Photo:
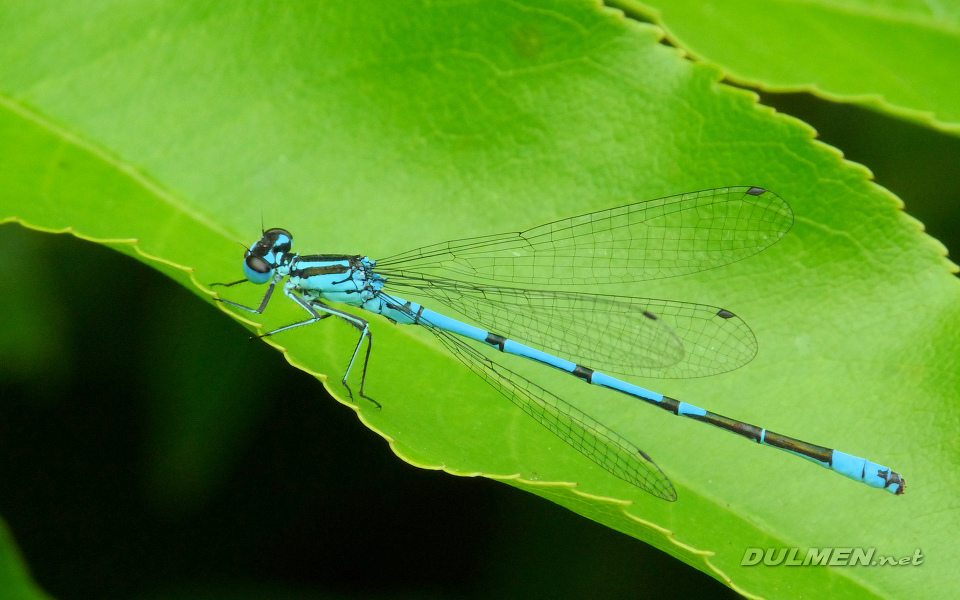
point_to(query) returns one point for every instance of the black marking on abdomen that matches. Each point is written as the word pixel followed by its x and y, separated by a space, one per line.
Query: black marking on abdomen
pixel 670 404
pixel 650 315
pixel 583 373
pixel 756 191
pixel 891 477
pixel 818 453
pixel 751 432
pixel 496 340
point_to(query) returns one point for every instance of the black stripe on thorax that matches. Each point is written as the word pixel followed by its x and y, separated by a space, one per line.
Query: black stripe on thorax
pixel 352 260
pixel 330 257
pixel 327 270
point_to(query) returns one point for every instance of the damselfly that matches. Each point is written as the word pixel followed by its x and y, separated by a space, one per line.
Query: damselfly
pixel 667 237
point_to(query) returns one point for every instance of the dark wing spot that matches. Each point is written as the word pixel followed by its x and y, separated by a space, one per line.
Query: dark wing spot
pixel 755 191
pixel 725 314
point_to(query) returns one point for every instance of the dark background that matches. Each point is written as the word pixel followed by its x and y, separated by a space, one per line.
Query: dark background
pixel 149 450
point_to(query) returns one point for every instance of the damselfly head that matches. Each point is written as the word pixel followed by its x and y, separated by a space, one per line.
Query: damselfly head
pixel 263 257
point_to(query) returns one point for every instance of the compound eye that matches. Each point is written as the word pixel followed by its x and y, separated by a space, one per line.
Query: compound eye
pixel 258 265
pixel 280 239
pixel 276 232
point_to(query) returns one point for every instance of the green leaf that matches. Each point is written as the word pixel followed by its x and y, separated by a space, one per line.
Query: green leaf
pixel 901 58
pixel 15 580
pixel 376 127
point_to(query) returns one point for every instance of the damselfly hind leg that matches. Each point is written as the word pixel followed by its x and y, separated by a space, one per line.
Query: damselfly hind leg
pixel 364 328
pixel 363 372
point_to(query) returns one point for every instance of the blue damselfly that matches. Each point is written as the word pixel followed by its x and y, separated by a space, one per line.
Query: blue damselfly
pixel 482 279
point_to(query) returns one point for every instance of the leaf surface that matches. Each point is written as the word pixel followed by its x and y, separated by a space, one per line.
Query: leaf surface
pixel 377 127
pixel 900 57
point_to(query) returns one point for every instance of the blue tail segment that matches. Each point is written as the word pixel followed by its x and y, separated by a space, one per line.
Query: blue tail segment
pixel 854 467
pixel 869 473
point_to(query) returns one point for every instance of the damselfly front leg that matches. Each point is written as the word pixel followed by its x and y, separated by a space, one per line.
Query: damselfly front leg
pixel 263 304
pixel 259 309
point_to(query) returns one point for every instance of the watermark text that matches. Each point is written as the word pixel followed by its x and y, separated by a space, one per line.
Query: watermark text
pixel 826 557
